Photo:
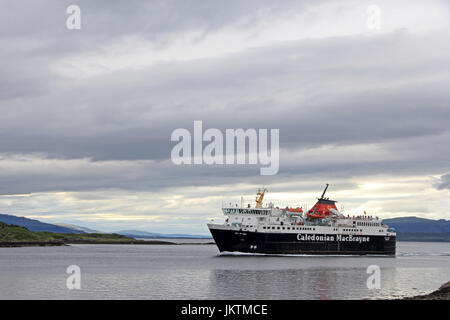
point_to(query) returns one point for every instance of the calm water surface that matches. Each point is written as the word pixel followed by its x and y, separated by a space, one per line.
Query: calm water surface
pixel 198 272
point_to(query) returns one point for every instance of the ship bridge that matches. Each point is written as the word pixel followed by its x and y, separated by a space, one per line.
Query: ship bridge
pixel 246 211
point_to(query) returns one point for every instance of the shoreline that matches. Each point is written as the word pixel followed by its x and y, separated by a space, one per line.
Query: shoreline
pixel 18 244
pixel 443 293
pixel 59 244
pixel 6 244
pixel 12 244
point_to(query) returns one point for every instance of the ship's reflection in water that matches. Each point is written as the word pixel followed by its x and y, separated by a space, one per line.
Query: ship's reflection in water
pixel 290 283
pixel 330 277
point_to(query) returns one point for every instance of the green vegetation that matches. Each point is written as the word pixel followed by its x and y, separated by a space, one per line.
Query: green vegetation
pixel 11 235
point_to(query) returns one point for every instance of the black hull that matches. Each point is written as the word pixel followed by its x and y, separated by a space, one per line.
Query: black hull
pixel 293 243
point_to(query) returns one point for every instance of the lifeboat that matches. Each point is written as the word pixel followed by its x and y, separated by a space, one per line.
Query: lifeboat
pixel 316 215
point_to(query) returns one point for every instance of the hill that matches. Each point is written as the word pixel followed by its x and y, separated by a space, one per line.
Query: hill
pixel 415 224
pixel 12 236
pixel 35 225
pixel 420 229
pixel 75 227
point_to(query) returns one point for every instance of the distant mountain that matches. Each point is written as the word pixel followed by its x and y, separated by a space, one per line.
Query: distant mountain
pixel 420 229
pixel 79 228
pixel 424 236
pixel 418 225
pixel 150 235
pixel 35 225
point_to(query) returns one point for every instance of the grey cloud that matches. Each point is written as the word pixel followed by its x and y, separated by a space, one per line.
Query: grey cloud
pixel 444 182
pixel 34 34
pixel 383 89
pixel 310 96
pixel 108 20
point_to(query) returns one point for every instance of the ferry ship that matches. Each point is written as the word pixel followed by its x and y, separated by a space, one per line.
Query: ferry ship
pixel 322 230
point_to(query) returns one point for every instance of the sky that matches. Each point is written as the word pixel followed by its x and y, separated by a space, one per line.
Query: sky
pixel 86 115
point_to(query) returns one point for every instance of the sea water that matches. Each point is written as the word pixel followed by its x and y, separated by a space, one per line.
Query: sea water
pixel 197 271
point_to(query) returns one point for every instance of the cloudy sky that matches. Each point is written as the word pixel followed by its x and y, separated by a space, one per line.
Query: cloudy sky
pixel 86 115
